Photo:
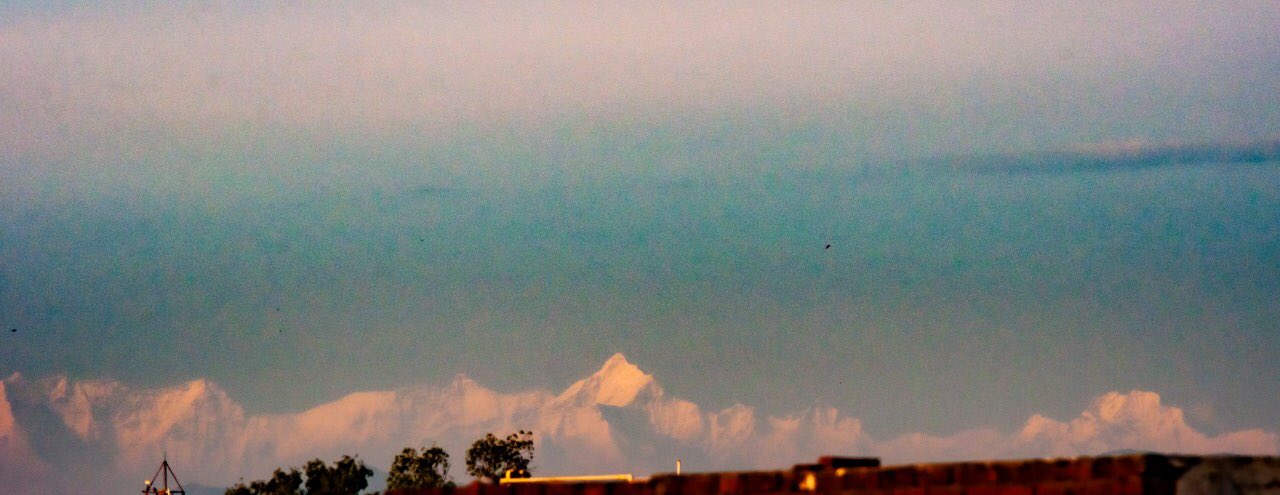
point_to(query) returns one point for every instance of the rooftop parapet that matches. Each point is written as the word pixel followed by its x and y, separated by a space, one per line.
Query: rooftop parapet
pixel 1142 474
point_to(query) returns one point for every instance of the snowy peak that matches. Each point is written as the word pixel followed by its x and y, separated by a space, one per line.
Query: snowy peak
pixel 617 384
pixel 617 371
pixel 616 419
pixel 462 383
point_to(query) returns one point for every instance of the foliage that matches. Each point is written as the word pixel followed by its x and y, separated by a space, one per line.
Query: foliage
pixel 428 470
pixel 347 476
pixel 281 483
pixel 489 458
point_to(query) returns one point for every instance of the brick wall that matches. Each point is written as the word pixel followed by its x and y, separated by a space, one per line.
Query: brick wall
pixel 1118 475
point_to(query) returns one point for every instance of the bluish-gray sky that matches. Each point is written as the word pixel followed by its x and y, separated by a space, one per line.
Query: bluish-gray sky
pixel 300 201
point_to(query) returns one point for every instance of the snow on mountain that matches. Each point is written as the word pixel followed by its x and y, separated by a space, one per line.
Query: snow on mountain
pixel 18 463
pixel 1139 421
pixel 617 384
pixel 195 421
pixel 618 419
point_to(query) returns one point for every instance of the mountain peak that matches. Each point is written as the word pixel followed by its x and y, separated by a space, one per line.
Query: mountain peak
pixel 618 372
pixel 616 383
pixel 463 383
pixel 616 361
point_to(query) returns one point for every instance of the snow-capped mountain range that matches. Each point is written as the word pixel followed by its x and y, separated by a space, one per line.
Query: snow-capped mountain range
pixel 57 433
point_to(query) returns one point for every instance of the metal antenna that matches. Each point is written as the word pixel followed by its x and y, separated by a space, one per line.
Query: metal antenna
pixel 163 473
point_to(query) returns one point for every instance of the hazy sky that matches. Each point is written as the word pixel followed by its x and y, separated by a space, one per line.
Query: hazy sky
pixel 298 201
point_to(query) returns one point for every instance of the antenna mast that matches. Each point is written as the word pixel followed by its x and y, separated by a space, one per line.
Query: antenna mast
pixel 163 473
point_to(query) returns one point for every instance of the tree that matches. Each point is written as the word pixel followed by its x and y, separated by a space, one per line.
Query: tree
pixel 281 483
pixel 428 470
pixel 489 458
pixel 347 477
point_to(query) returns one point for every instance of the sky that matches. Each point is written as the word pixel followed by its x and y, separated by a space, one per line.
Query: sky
pixel 297 202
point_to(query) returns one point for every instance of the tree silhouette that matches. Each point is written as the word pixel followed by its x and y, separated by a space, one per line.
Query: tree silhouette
pixel 428 470
pixel 281 483
pixel 347 477
pixel 489 458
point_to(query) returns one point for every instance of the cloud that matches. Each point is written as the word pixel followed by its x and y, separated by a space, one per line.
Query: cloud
pixel 226 100
pixel 619 419
pixel 123 80
pixel 1124 155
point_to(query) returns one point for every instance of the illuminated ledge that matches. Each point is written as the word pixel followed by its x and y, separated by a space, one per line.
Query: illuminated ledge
pixel 598 478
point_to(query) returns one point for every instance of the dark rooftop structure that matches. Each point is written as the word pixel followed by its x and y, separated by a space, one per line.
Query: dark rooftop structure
pixel 1138 474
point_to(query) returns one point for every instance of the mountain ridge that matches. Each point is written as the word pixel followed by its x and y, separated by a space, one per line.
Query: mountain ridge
pixel 617 419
